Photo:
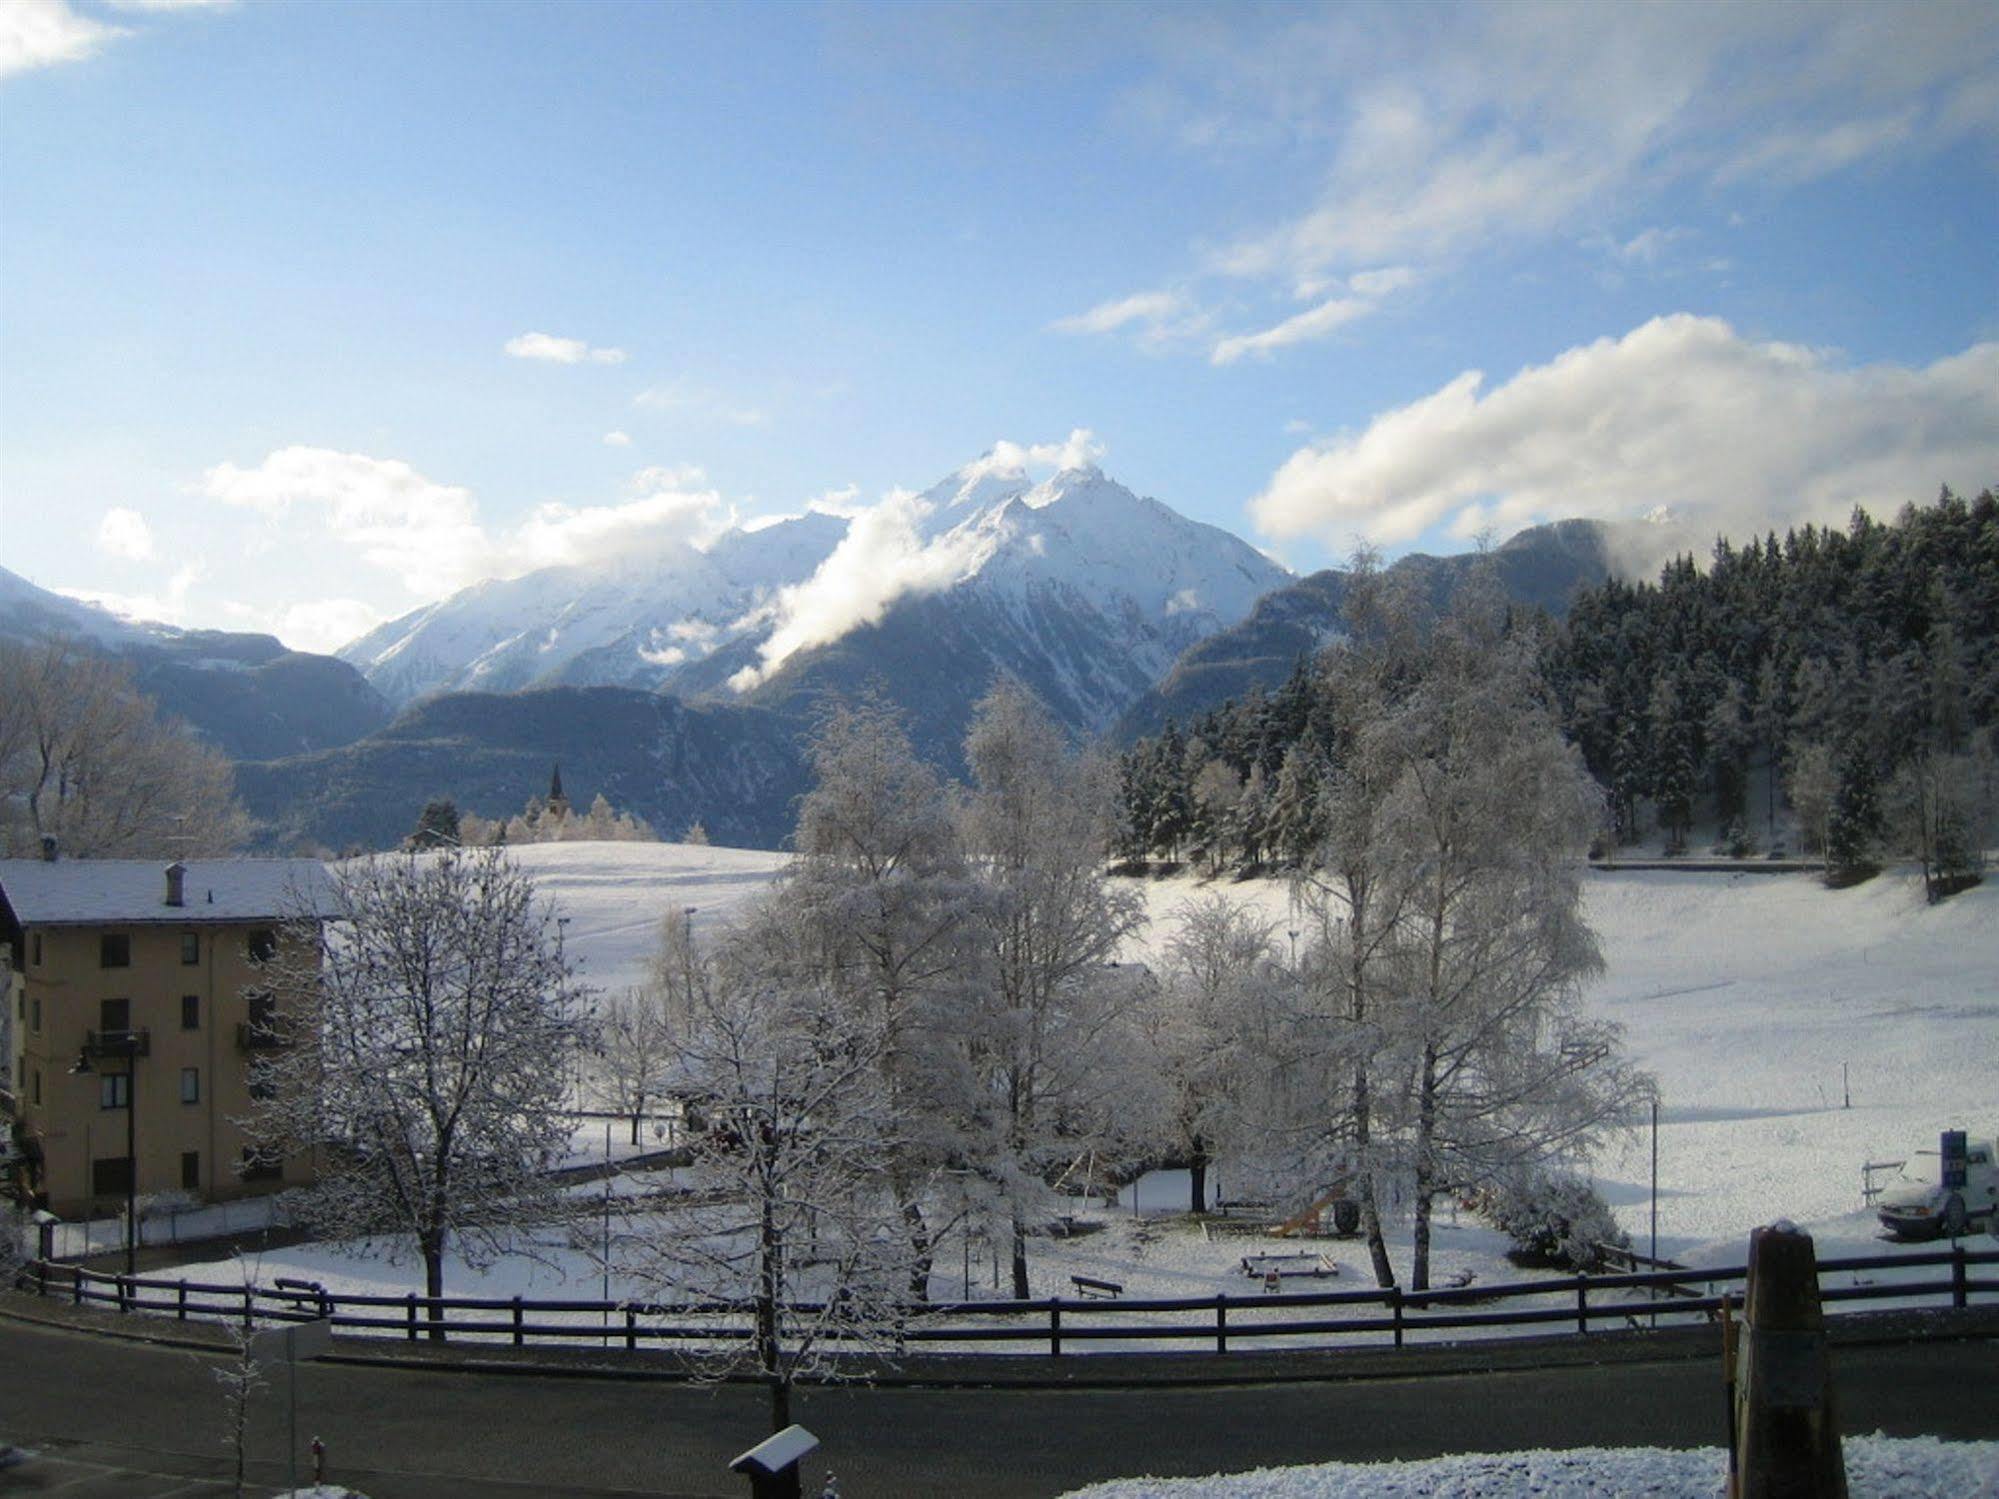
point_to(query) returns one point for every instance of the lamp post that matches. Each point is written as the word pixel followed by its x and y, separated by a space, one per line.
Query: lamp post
pixel 128 1046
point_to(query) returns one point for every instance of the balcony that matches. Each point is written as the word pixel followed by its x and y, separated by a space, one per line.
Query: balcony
pixel 262 1036
pixel 126 1043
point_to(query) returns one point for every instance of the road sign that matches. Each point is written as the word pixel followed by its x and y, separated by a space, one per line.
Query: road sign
pixel 292 1341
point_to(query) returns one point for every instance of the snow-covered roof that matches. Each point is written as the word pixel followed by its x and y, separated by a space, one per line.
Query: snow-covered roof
pixel 97 892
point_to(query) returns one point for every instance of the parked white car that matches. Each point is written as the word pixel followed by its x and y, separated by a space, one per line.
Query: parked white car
pixel 1917 1204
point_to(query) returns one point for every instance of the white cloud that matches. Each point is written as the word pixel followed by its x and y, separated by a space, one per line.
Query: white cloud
pixel 1080 449
pixel 169 608
pixel 882 558
pixel 553 350
pixel 1156 320
pixel 124 533
pixel 1384 282
pixel 325 625
pixel 1314 323
pixel 42 33
pixel 1425 145
pixel 426 533
pixel 430 535
pixel 617 439
pixel 1729 433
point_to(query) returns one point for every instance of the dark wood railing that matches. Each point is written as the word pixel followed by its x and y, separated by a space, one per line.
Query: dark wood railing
pixel 1053 1324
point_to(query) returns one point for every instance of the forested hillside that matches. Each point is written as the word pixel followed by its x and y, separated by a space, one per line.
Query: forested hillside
pixel 1838 684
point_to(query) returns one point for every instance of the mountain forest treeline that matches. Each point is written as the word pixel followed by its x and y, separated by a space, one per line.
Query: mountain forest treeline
pixel 1835 687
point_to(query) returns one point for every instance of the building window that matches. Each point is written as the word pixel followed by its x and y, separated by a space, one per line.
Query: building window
pixel 114 1090
pixel 37 1089
pixel 190 948
pixel 190 1085
pixel 37 1012
pixel 190 1012
pixel 114 950
pixel 263 945
pixel 21 1072
pixel 114 1015
pixel 190 1170
pixel 111 1177
pixel 262 1165
pixel 37 945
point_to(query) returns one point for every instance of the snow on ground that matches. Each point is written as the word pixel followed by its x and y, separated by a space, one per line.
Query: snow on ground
pixel 1877 1467
pixel 614 895
pixel 1743 993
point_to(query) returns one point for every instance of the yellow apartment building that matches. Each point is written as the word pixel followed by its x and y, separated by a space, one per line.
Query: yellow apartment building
pixel 137 1002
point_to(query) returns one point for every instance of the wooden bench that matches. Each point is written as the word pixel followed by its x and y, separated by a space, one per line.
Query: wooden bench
pixel 1090 1286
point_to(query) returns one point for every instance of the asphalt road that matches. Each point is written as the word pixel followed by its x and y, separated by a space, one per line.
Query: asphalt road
pixel 109 1417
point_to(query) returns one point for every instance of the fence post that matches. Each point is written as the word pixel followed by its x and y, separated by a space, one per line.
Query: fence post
pixel 121 1295
pixel 411 1303
pixel 1394 1294
pixel 1222 1322
pixel 1957 1288
pixel 631 1329
pixel 1055 1326
pixel 1787 1437
pixel 76 1285
pixel 249 1307
pixel 180 1302
pixel 1582 1303
pixel 517 1322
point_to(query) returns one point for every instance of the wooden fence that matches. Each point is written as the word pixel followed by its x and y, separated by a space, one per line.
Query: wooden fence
pixel 1054 1325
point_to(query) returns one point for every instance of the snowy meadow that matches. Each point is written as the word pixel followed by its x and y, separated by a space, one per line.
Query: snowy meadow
pixel 1745 994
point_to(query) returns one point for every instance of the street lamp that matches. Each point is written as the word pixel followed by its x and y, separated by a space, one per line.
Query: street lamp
pixel 127 1044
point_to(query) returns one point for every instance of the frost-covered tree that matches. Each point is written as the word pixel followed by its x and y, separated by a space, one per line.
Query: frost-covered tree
pixel 1213 1036
pixel 431 1082
pixel 793 1218
pixel 1054 1030
pixel 86 760
pixel 437 826
pixel 634 1050
pixel 881 880
pixel 1483 833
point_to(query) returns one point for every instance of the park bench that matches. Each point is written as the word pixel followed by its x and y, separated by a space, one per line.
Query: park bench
pixel 1090 1286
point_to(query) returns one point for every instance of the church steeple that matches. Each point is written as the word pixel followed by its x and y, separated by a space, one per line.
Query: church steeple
pixel 558 804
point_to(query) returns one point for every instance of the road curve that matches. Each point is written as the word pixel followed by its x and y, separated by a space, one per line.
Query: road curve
pixel 111 1416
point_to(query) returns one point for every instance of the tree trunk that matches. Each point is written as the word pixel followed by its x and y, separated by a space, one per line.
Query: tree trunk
pixel 1197 1181
pixel 1020 1287
pixel 780 1403
pixel 920 1247
pixel 1370 1210
pixel 1426 1175
pixel 638 1115
pixel 433 1281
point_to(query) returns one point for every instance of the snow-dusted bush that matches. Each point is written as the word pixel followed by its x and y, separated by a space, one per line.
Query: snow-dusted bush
pixel 1554 1219
pixel 167 1204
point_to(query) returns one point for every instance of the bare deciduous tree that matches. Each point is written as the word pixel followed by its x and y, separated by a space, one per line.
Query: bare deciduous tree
pixel 793 1217
pixel 1053 1042
pixel 432 1080
pixel 85 759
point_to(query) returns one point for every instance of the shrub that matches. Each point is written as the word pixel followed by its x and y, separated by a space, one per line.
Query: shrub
pixel 1555 1220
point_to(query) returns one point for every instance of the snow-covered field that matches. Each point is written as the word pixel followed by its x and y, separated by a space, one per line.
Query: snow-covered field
pixel 1743 993
pixel 1877 1467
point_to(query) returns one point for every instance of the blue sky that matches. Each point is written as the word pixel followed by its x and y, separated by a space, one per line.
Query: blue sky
pixel 1406 272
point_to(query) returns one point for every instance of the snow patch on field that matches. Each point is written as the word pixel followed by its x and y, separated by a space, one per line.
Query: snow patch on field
pixel 1877 1467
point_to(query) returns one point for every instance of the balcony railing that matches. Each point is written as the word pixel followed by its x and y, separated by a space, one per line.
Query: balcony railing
pixel 268 1036
pixel 134 1042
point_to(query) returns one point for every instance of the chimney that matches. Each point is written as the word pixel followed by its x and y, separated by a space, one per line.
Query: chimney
pixel 176 875
pixel 48 848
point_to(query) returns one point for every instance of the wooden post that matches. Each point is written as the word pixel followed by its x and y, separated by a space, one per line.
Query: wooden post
pixel 1728 1382
pixel 1222 1323
pixel 1055 1326
pixel 1787 1440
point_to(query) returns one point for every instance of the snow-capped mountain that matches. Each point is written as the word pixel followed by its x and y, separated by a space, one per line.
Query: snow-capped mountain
pixel 1079 588
pixel 1071 582
pixel 630 622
